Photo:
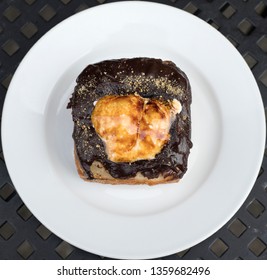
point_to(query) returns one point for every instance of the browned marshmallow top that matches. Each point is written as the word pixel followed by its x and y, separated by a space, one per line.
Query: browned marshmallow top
pixel 132 127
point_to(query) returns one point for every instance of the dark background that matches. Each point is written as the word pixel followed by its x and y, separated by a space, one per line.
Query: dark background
pixel 23 22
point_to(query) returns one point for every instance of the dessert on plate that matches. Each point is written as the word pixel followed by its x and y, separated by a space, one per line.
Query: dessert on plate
pixel 132 122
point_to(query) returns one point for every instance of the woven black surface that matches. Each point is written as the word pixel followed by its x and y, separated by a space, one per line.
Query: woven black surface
pixel 23 22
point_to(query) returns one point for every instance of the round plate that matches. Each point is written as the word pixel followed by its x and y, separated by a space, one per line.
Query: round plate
pixel 228 133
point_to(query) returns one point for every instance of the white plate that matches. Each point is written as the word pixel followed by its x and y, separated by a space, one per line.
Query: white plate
pixel 228 133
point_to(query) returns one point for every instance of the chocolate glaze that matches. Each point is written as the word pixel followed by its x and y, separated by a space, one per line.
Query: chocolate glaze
pixel 148 77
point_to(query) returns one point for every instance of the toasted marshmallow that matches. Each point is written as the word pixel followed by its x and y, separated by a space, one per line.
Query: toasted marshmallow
pixel 132 127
